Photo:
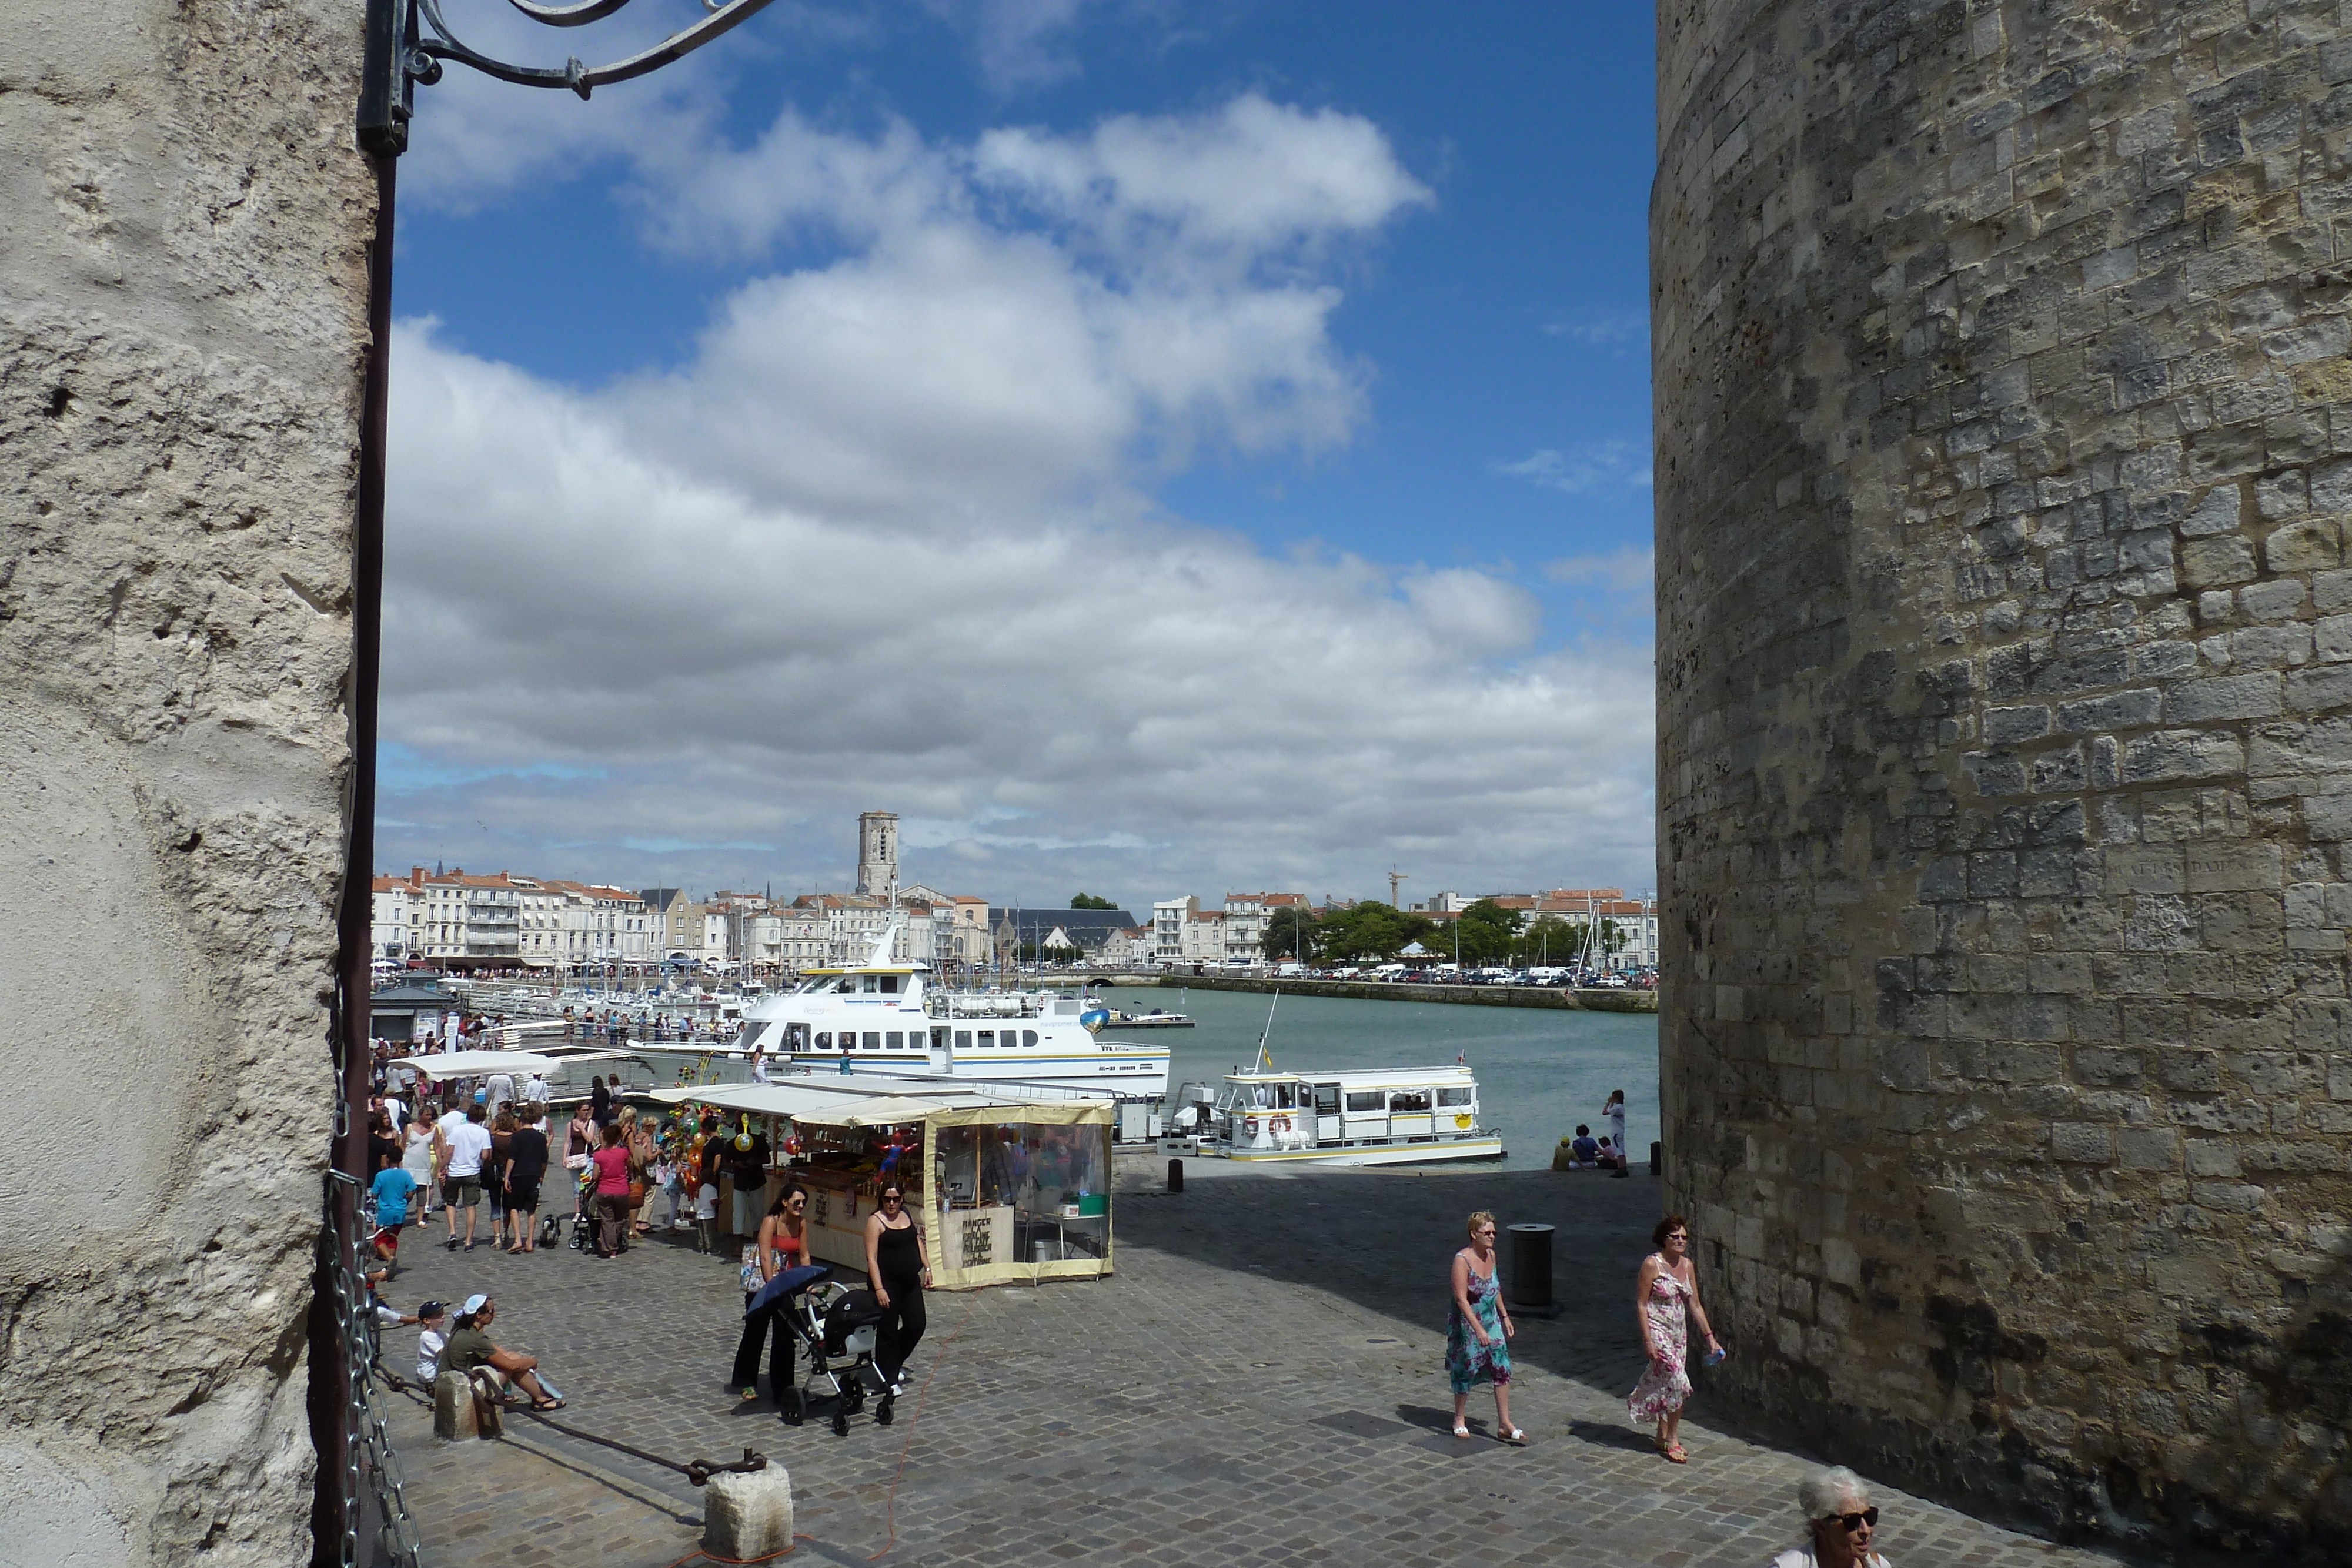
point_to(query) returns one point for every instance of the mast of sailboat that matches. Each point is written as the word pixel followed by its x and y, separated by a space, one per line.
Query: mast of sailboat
pixel 1264 1060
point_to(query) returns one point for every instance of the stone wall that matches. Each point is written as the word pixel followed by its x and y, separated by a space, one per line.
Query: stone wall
pixel 2004 468
pixel 182 232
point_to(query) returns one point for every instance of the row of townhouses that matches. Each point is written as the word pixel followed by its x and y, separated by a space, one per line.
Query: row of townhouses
pixel 1182 931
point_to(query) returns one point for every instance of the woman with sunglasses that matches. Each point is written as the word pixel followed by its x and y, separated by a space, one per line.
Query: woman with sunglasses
pixel 1838 1512
pixel 783 1244
pixel 899 1272
pixel 1478 1332
pixel 1666 1291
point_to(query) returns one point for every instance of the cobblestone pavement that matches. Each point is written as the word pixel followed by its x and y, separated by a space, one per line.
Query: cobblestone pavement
pixel 1261 1381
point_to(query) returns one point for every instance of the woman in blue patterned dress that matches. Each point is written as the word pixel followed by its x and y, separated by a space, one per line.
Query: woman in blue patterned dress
pixel 1478 1332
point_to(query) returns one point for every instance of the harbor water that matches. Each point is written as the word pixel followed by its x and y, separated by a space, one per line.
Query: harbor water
pixel 1540 1071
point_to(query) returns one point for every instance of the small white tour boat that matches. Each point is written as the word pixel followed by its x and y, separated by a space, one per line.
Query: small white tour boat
pixel 1378 1116
pixel 885 1017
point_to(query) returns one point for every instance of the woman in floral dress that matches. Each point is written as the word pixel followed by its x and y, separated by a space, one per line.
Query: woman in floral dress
pixel 1668 1287
pixel 1478 1332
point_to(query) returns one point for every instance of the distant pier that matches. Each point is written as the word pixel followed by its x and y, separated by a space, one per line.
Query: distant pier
pixel 1553 997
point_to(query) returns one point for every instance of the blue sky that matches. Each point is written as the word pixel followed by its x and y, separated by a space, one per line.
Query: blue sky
pixel 1354 308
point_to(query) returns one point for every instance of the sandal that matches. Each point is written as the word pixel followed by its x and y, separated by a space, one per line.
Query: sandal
pixel 1460 1430
pixel 547 1403
pixel 1674 1454
pixel 1515 1438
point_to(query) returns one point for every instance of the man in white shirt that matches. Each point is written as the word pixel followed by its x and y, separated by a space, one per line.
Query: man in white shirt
pixel 535 1092
pixel 501 1090
pixel 461 1149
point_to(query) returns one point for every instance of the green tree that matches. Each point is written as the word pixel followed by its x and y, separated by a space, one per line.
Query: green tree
pixel 1291 932
pixel 1487 931
pixel 1370 930
pixel 1549 939
pixel 1089 901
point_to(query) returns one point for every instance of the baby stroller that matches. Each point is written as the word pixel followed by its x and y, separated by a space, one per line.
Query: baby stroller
pixel 836 1326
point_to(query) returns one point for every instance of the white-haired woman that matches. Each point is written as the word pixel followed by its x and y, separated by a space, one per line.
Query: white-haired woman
pixel 1841 1519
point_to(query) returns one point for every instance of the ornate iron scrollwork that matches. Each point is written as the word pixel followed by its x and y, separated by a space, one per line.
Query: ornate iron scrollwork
pixel 407 41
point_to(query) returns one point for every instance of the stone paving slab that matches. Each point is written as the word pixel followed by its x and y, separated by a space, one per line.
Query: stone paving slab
pixel 1261 1381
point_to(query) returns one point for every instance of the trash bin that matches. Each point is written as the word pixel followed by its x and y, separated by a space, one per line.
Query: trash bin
pixel 1175 1176
pixel 1531 1265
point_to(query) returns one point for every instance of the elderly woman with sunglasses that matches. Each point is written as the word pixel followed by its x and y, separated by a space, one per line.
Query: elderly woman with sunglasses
pixel 1665 1295
pixel 783 1244
pixel 1843 1521
pixel 899 1271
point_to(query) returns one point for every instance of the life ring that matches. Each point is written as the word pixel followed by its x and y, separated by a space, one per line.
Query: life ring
pixel 1249 1126
pixel 1282 1123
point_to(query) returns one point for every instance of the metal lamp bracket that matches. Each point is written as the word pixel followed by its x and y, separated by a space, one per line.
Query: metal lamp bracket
pixel 407 41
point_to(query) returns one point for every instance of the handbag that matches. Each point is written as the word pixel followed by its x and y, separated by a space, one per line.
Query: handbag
pixel 636 1192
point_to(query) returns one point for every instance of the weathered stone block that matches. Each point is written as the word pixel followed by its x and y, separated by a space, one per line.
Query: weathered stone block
pixel 2217 562
pixel 2224 697
pixel 748 1516
pixel 2313 544
pixel 2081 1142
pixel 453 1407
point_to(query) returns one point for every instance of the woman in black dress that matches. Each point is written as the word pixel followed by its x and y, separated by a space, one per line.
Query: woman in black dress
pixel 899 1272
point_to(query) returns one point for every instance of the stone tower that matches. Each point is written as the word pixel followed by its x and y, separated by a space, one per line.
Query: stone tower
pixel 877 853
pixel 2004 465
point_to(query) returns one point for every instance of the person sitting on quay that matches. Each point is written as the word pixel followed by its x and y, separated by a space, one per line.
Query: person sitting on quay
pixel 1838 1514
pixel 1587 1151
pixel 470 1347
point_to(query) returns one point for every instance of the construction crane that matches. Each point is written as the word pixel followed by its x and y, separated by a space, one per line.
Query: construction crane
pixel 1396 876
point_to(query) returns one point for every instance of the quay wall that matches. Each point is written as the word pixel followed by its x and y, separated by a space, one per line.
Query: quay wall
pixel 2004 474
pixel 183 231
pixel 1601 1001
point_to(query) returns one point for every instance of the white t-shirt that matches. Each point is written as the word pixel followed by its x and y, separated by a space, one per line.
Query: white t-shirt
pixel 535 1092
pixel 1803 1557
pixel 501 1090
pixel 468 1142
pixel 429 1346
pixel 398 1111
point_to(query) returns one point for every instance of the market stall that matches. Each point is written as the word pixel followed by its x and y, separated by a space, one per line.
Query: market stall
pixel 1007 1189
pixel 1016 1190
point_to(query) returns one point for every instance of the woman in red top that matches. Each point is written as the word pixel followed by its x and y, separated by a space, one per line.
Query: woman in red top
pixel 611 1163
pixel 783 1244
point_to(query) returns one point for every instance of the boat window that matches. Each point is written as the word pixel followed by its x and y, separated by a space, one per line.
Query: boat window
pixel 1327 1099
pixel 824 1039
pixel 889 984
pixel 796 1036
pixel 873 1040
pixel 963 1040
pixel 1029 1037
pixel 940 1039
pixel 872 984
pixel 1408 1100
pixel 1281 1097
pixel 987 1039
pixel 1375 1100
pixel 1453 1096
pixel 894 1040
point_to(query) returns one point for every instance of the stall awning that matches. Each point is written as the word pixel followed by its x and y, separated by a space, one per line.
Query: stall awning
pixel 474 1063
pixel 825 1102
pixel 962 1111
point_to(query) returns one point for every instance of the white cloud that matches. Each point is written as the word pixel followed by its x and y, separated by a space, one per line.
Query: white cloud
pixel 885 542
pixel 1581 469
pixel 1626 570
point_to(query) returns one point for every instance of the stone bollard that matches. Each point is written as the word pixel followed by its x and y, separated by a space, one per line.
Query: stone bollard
pixel 1175 1176
pixel 748 1515
pixel 453 1407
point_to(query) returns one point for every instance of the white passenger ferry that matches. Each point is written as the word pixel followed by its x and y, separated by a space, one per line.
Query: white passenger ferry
pixel 883 1017
pixel 1399 1115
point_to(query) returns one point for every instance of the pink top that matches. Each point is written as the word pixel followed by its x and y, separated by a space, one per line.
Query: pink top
pixel 612 1172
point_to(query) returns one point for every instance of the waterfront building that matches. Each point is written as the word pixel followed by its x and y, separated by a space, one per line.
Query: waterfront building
pixel 1084 931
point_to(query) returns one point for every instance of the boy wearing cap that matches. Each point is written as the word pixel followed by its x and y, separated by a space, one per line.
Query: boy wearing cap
pixel 433 1316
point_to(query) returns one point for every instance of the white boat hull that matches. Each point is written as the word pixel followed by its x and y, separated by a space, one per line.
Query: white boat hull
pixel 1429 1152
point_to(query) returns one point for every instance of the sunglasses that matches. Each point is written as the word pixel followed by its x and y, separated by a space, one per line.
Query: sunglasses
pixel 893 1197
pixel 1868 1516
